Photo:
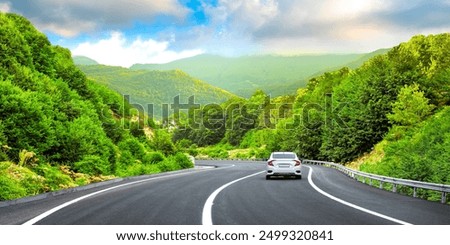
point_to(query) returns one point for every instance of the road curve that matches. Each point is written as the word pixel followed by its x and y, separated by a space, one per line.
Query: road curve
pixel 234 193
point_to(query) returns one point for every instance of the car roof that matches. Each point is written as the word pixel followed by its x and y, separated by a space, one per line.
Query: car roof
pixel 283 152
pixel 278 154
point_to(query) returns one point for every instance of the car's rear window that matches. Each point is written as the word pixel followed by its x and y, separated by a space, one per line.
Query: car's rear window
pixel 283 156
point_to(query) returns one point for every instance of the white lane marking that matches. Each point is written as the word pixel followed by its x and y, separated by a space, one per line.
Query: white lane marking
pixel 207 208
pixel 351 204
pixel 53 210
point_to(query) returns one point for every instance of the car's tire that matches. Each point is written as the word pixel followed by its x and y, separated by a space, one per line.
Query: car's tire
pixel 267 177
pixel 299 177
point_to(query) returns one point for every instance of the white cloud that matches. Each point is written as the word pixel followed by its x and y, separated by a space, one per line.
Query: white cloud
pixel 236 27
pixel 231 25
pixel 252 13
pixel 298 26
pixel 242 15
pixel 120 9
pixel 67 31
pixel 69 18
pixel 332 10
pixel 5 7
pixel 118 51
pixel 287 26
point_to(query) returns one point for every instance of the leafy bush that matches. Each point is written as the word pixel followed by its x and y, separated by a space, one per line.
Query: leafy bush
pixel 134 146
pixel 183 144
pixel 126 158
pixel 17 181
pixel 163 142
pixel 153 158
pixel 262 153
pixel 10 189
pixel 216 152
pixel 54 177
pixel 183 161
pixel 175 162
pixel 93 165
pixel 411 107
pixel 135 169
pixel 168 165
pixel 193 150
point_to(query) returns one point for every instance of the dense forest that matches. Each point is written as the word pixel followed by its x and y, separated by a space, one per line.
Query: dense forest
pixel 58 129
pixel 389 116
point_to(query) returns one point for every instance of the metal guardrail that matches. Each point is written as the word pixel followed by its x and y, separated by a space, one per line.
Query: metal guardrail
pixel 443 189
pixel 232 159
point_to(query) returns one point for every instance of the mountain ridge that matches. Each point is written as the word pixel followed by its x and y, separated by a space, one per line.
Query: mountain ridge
pixel 274 74
pixel 84 60
pixel 156 88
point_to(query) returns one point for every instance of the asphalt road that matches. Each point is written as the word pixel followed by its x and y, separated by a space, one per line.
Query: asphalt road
pixel 232 193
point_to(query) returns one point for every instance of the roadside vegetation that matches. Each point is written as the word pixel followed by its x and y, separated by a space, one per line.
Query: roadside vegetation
pixel 58 129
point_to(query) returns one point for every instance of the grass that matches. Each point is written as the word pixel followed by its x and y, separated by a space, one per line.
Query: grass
pixel 373 157
pixel 18 181
pixel 229 152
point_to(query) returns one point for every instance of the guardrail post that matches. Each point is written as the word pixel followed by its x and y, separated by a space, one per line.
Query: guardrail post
pixel 415 192
pixel 370 182
pixel 394 188
pixel 381 184
pixel 444 197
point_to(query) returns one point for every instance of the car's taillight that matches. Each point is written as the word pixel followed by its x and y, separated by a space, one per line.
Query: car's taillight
pixel 298 162
pixel 270 163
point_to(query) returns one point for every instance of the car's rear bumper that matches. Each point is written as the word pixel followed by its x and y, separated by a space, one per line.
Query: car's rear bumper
pixel 283 172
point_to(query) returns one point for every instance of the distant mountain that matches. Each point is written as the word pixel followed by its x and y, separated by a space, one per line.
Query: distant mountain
pixel 157 88
pixel 359 62
pixel 83 60
pixel 353 64
pixel 275 75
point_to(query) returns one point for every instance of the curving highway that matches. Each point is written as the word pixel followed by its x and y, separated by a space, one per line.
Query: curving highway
pixel 229 193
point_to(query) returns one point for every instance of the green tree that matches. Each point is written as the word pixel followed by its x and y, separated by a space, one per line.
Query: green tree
pixel 163 142
pixel 411 107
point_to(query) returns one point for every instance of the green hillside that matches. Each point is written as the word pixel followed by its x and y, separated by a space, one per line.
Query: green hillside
pixel 83 60
pixel 60 130
pixel 275 75
pixel 419 152
pixel 291 87
pixel 156 87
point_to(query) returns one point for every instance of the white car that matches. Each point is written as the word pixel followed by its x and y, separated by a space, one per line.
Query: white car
pixel 284 164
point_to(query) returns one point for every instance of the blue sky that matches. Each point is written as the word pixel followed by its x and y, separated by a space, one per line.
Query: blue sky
pixel 124 32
